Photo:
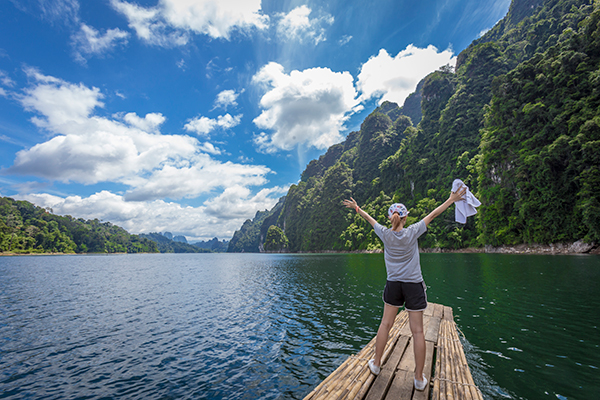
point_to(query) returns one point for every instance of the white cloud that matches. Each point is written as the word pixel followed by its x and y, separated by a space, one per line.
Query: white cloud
pixel 210 148
pixel 150 123
pixel 89 42
pixel 204 125
pixel 200 176
pixel 171 21
pixel 226 98
pixel 218 217
pixel 394 78
pixel 64 105
pixel 6 80
pixel 482 32
pixel 238 202
pixel 303 108
pixel 149 25
pixel 345 39
pixel 90 149
pixel 297 25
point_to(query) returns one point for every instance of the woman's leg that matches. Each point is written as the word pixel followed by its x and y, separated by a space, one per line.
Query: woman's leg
pixel 387 321
pixel 415 319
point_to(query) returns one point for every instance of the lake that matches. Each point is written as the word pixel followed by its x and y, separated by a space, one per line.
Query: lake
pixel 271 326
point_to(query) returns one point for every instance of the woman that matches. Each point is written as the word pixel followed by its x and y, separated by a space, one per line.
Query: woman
pixel 405 286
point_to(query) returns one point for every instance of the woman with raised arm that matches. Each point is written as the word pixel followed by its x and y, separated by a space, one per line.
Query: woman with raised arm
pixel 405 286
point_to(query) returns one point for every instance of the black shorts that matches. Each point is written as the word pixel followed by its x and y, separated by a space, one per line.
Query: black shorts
pixel 411 295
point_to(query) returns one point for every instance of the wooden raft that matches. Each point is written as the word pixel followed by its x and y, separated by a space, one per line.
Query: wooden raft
pixel 451 378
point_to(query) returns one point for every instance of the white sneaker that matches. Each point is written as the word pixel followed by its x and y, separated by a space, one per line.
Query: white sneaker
pixel 374 368
pixel 421 385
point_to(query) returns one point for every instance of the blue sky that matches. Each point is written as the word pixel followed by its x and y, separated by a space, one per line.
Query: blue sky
pixel 188 116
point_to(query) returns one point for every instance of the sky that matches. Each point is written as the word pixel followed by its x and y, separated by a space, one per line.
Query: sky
pixel 189 116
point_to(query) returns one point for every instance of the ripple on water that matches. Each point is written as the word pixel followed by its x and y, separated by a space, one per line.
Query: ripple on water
pixel 268 326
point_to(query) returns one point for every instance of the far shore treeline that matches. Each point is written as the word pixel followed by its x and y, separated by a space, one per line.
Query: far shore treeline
pixel 518 120
pixel 28 229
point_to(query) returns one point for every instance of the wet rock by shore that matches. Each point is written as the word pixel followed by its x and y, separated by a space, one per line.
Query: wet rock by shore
pixel 578 247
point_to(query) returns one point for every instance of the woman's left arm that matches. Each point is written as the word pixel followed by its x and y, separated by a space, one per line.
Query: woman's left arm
pixel 352 204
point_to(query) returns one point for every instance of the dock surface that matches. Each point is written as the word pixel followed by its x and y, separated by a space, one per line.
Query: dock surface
pixel 449 378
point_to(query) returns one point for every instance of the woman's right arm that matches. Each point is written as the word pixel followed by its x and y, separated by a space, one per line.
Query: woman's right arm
pixel 352 204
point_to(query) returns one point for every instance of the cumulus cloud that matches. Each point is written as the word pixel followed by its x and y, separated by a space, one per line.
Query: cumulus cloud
pixel 204 125
pixel 226 98
pixel 201 175
pixel 238 202
pixel 64 106
pixel 302 108
pixel 90 42
pixel 150 123
pixel 296 25
pixel 218 217
pixel 394 78
pixel 172 21
pixel 129 149
pixel 210 148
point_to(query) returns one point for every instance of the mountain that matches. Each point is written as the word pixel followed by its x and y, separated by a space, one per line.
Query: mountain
pixel 251 236
pixel 518 120
pixel 26 228
pixel 167 243
pixel 214 245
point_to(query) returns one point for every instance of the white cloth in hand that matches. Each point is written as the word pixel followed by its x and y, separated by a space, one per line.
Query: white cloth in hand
pixel 466 207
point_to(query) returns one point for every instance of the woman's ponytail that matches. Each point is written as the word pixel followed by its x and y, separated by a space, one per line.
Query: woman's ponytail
pixel 396 221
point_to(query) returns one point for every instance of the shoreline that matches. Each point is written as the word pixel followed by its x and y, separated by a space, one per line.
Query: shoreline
pixel 576 248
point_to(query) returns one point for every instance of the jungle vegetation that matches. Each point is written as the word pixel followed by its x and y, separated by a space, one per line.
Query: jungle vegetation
pixel 517 119
pixel 26 228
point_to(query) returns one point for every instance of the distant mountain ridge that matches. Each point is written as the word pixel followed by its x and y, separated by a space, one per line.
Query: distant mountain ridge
pixel 518 120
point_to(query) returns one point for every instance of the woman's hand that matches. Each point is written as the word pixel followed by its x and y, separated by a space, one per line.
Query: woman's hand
pixel 458 195
pixel 350 203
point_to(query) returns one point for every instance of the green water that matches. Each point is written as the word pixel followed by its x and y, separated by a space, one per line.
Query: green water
pixel 272 326
pixel 531 321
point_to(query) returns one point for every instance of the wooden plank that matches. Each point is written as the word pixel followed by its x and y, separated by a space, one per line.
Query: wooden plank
pixel 432 330
pixel 402 386
pixel 385 377
pixel 448 313
pixel 359 391
pixel 424 395
pixel 380 385
pixel 407 363
pixel 405 330
pixel 451 378
pixel 429 309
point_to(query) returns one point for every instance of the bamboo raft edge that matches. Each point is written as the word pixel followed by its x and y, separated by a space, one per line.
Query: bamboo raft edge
pixel 449 377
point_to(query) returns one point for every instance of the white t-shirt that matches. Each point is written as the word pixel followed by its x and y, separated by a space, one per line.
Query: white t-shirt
pixel 401 252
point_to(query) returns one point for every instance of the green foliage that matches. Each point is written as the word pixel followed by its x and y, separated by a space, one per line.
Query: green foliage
pixel 26 228
pixel 538 171
pixel 518 122
pixel 251 236
pixel 166 245
pixel 276 240
pixel 312 215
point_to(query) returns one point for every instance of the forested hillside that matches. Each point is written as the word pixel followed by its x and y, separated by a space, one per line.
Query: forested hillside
pixel 518 120
pixel 166 245
pixel 26 228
